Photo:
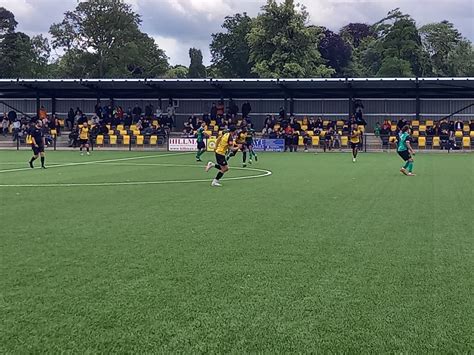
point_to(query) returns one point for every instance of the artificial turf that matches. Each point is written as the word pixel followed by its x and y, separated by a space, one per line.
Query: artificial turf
pixel 322 256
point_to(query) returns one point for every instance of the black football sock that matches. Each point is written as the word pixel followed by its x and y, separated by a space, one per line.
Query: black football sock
pixel 80 149
pixel 217 166
pixel 220 174
pixel 244 157
pixel 42 161
pixel 32 160
pixel 87 148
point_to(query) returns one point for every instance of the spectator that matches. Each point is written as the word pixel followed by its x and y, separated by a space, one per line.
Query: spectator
pixel 70 119
pixel 97 109
pixel 233 108
pixel 16 129
pixel 5 124
pixel 81 119
pixel 220 108
pixel 214 112
pixel 318 123
pixel 458 125
pixel 307 141
pixel 137 112
pixel 266 131
pixel 43 113
pixel 430 131
pixel 295 141
pixel 288 135
pixel 149 110
pixel 328 139
pixel 171 111
pixel 73 136
pixel 95 119
pixel 12 116
pixel 270 121
pixel 246 109
pixel 377 129
pixel 471 125
pixel 295 124
pixel 206 118
pixel 282 113
pixel 336 139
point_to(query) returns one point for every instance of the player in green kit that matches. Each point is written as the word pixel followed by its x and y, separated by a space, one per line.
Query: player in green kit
pixel 201 145
pixel 405 151
pixel 249 144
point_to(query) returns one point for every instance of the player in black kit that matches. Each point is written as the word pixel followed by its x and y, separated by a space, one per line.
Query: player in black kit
pixel 37 143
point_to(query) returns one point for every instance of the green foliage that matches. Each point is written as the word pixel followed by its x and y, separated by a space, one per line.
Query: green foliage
pixel 282 45
pixel 7 21
pixel 394 67
pixel 177 72
pixel 104 36
pixel 461 59
pixel 196 68
pixel 230 50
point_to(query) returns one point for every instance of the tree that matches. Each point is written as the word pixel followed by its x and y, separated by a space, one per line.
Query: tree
pixel 335 51
pixel 7 21
pixel 355 33
pixel 439 40
pixel 282 45
pixel 196 68
pixel 461 59
pixel 394 67
pixel 177 72
pixel 230 50
pixel 104 36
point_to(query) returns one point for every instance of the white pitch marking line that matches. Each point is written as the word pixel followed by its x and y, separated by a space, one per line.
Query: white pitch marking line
pixel 97 162
pixel 265 173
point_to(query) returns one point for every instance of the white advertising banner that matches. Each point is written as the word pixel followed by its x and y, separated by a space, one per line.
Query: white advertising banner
pixel 182 145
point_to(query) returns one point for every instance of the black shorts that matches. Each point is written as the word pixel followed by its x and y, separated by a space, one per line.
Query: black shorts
pixel 221 160
pixel 201 145
pixel 249 144
pixel 83 141
pixel 404 154
pixel 354 145
pixel 37 150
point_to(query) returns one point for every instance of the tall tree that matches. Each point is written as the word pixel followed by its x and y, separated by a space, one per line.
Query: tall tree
pixel 104 36
pixel 461 59
pixel 355 33
pixel 439 40
pixel 7 21
pixel 177 72
pixel 283 45
pixel 335 51
pixel 230 50
pixel 196 68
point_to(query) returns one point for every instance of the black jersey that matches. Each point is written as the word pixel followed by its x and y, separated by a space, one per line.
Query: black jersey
pixel 37 134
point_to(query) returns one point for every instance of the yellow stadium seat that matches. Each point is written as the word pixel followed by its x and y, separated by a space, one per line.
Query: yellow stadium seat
pixel 61 123
pixel 155 123
pixel 99 140
pixel 108 127
pixel 325 123
pixel 28 139
pixel 133 127
pixel 466 142
pixel 393 128
pixel 213 122
pixel 415 123
pixel 422 142
pixel 123 132
pixel 120 127
pixel 216 128
pixel 54 133
pixel 340 123
pixel 113 139
pixel 435 142
pixel 140 140
pixel 315 140
pixel 416 133
pixel 466 128
pixel 458 134
pixel 471 134
pixel 310 133
pixel 126 140
pixel 429 123
pixel 344 141
pixel 300 140
pixel 300 121
pixel 136 132
pixel 422 128
pixel 153 140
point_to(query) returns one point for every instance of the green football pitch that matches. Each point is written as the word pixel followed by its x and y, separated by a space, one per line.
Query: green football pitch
pixel 135 252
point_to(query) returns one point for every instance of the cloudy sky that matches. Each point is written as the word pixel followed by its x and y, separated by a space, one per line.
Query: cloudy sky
pixel 177 25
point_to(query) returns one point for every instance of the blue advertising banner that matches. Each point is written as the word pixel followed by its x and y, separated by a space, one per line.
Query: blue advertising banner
pixel 269 145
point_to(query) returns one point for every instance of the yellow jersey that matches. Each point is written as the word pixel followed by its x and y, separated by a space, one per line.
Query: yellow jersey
pixel 355 136
pixel 241 137
pixel 223 143
pixel 84 133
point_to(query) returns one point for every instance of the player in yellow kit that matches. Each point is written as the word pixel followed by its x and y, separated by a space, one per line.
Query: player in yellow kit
pixel 356 133
pixel 84 138
pixel 240 144
pixel 223 144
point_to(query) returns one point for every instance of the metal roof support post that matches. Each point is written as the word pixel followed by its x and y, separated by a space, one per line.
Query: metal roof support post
pixel 286 105
pixel 418 106
pixel 53 105
pixel 160 103
pixel 292 106
pixel 351 101
pixel 38 105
